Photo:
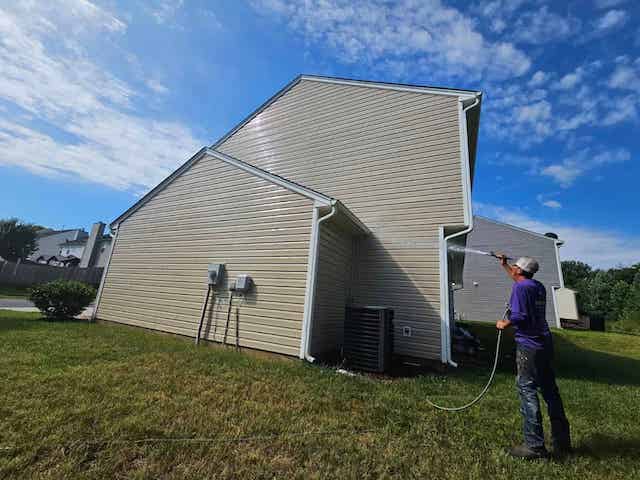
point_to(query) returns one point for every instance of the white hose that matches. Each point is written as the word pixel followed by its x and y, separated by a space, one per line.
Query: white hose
pixel 484 390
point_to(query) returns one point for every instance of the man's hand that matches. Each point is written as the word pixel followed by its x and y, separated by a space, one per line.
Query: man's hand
pixel 502 258
pixel 502 324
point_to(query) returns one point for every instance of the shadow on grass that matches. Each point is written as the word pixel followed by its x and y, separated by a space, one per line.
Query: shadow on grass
pixel 571 360
pixel 603 446
pixel 22 321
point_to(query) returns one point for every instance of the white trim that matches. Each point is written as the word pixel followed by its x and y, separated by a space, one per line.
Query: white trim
pixel 557 246
pixel 445 321
pixel 270 177
pixel 104 276
pixel 465 161
pixel 258 172
pixel 309 295
pixel 554 289
pixel 444 306
pixel 390 86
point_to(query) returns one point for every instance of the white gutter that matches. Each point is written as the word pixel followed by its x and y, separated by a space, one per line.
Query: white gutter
pixel 104 274
pixel 309 299
pixel 445 355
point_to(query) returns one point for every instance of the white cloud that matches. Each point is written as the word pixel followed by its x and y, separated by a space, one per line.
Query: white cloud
pixel 568 170
pixel 611 20
pixel 626 76
pixel 552 204
pixel 623 109
pixel 164 11
pixel 564 173
pixel 570 80
pixel 600 248
pixel 538 79
pixel 426 36
pixel 99 136
pixel 545 201
pixel 156 86
pixel 544 26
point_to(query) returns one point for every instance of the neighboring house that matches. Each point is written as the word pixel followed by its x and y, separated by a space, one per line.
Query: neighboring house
pixel 73 248
pixel 486 288
pixel 332 192
pixel 48 243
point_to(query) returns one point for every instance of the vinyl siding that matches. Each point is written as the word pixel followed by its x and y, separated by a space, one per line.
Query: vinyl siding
pixel 393 158
pixel 486 301
pixel 213 213
pixel 333 284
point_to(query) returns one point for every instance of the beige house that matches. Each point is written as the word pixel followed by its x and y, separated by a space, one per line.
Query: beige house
pixel 332 192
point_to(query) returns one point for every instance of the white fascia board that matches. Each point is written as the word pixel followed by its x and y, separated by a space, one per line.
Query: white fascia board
pixel 465 95
pixel 104 276
pixel 317 197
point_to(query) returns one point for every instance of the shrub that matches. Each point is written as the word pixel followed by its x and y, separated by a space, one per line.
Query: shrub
pixel 62 299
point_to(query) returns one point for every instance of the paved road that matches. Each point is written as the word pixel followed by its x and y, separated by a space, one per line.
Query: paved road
pixel 15 302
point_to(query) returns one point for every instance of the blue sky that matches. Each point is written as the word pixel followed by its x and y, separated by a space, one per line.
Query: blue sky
pixel 100 101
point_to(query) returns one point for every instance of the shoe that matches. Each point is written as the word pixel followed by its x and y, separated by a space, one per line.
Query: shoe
pixel 528 453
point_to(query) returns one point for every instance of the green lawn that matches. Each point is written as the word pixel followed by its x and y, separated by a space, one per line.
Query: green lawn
pixel 81 400
pixel 11 291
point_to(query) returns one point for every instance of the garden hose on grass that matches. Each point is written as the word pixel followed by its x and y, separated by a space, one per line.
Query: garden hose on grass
pixel 486 387
pixel 484 390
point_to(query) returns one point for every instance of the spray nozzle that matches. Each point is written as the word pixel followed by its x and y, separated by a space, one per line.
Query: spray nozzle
pixel 494 254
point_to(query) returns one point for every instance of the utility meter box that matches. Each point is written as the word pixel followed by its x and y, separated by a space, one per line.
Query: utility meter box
pixel 243 284
pixel 215 273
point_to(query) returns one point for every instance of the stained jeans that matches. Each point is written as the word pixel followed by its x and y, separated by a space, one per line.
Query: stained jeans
pixel 535 372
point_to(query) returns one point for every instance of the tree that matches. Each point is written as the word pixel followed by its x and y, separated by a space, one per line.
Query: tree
pixel 619 297
pixel 596 295
pixel 17 239
pixel 574 272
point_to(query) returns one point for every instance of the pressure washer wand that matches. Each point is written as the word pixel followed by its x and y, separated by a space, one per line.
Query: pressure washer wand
pixel 499 257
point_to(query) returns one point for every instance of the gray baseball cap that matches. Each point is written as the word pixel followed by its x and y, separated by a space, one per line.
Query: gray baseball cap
pixel 528 264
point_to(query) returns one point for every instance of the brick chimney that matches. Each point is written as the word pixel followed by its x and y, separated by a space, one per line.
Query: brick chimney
pixel 89 253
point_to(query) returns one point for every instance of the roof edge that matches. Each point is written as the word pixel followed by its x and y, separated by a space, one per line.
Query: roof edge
pixel 405 87
pixel 319 198
pixel 524 230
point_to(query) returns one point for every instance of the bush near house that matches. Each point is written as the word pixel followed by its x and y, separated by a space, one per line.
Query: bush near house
pixel 62 299
pixel 612 295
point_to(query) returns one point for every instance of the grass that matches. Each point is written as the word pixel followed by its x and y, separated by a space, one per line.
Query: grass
pixel 11 291
pixel 82 400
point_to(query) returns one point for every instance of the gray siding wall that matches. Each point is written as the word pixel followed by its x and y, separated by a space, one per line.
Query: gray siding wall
pixel 217 213
pixel 393 158
pixel 333 285
pixel 486 301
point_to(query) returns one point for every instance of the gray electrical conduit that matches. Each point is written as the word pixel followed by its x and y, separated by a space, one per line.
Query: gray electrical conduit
pixel 489 382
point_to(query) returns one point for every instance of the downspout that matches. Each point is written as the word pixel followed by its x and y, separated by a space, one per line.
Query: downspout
pixel 557 244
pixel 444 248
pixel 104 274
pixel 314 250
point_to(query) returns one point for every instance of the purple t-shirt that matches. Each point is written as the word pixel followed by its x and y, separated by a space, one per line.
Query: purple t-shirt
pixel 528 305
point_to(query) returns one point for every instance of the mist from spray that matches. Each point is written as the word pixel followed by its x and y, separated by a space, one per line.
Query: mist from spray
pixel 461 249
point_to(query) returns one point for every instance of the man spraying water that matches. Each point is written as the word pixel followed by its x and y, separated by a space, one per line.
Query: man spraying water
pixel 534 355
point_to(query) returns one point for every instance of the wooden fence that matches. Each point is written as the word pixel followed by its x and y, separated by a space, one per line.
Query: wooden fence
pixel 27 274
